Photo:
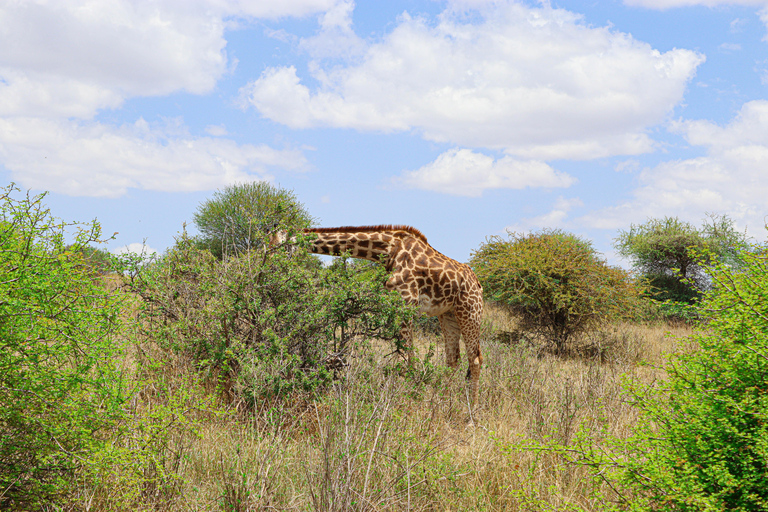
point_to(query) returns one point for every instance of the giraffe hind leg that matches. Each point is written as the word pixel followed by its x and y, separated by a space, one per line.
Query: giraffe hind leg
pixel 470 331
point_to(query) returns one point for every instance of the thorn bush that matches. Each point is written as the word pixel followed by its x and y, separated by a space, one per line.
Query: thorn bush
pixel 555 282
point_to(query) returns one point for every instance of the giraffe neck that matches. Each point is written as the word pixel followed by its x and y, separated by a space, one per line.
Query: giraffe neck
pixel 366 245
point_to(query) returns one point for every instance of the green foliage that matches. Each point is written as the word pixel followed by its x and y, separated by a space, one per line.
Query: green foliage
pixel 703 441
pixel 98 261
pixel 60 389
pixel 671 253
pixel 554 281
pixel 263 322
pixel 359 306
pixel 237 218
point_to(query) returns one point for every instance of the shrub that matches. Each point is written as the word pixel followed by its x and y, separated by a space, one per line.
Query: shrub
pixel 703 440
pixel 98 261
pixel 700 442
pixel 60 389
pixel 262 321
pixel 554 281
pixel 358 305
pixel 237 218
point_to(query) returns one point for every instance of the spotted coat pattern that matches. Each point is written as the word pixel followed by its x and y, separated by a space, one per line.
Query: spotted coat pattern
pixel 437 284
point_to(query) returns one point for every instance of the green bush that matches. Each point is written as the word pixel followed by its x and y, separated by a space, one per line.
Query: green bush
pixel 554 281
pixel 264 322
pixel 60 389
pixel 358 305
pixel 703 440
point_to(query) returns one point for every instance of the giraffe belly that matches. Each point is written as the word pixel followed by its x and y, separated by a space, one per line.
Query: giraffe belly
pixel 430 307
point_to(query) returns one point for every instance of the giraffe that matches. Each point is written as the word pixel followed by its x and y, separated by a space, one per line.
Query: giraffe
pixel 438 285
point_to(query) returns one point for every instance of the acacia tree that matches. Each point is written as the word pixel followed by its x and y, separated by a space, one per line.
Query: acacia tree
pixel 671 253
pixel 237 217
pixel 554 281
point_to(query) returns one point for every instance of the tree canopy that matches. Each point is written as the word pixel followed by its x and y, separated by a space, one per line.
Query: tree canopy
pixel 671 253
pixel 236 218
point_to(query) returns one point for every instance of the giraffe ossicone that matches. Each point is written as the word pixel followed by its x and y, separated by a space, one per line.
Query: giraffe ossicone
pixel 438 285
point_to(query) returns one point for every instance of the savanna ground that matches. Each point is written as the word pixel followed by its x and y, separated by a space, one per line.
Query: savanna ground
pixel 385 438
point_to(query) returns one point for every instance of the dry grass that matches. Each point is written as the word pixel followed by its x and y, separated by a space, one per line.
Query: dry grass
pixel 378 440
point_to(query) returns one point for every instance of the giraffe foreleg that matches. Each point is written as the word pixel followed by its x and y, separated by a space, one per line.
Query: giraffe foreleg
pixel 406 337
pixel 410 294
pixel 451 334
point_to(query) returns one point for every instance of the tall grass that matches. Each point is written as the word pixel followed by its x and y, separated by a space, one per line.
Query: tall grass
pixel 384 437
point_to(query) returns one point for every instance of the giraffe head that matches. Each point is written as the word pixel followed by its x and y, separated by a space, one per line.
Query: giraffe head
pixel 277 237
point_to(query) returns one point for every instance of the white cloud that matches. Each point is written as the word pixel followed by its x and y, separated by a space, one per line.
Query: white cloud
pixel 463 172
pixel 216 130
pixel 264 9
pixel 335 37
pixel 93 159
pixel 63 62
pixel 628 166
pixel 104 52
pixel 31 93
pixel 730 47
pixel 536 83
pixel 730 178
pixel 554 219
pixel 75 57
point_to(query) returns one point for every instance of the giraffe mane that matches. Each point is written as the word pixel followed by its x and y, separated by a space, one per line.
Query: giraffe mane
pixel 371 229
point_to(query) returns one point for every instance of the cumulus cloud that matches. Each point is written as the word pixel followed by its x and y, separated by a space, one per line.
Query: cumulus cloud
pixel 463 172
pixel 102 53
pixel 73 58
pixel 94 159
pixel 536 83
pixel 336 38
pixel 61 63
pixel 730 178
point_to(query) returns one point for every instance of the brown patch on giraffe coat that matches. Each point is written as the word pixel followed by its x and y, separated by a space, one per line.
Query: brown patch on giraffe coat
pixel 377 245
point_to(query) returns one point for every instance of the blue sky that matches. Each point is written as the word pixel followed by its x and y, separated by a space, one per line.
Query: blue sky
pixel 463 118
